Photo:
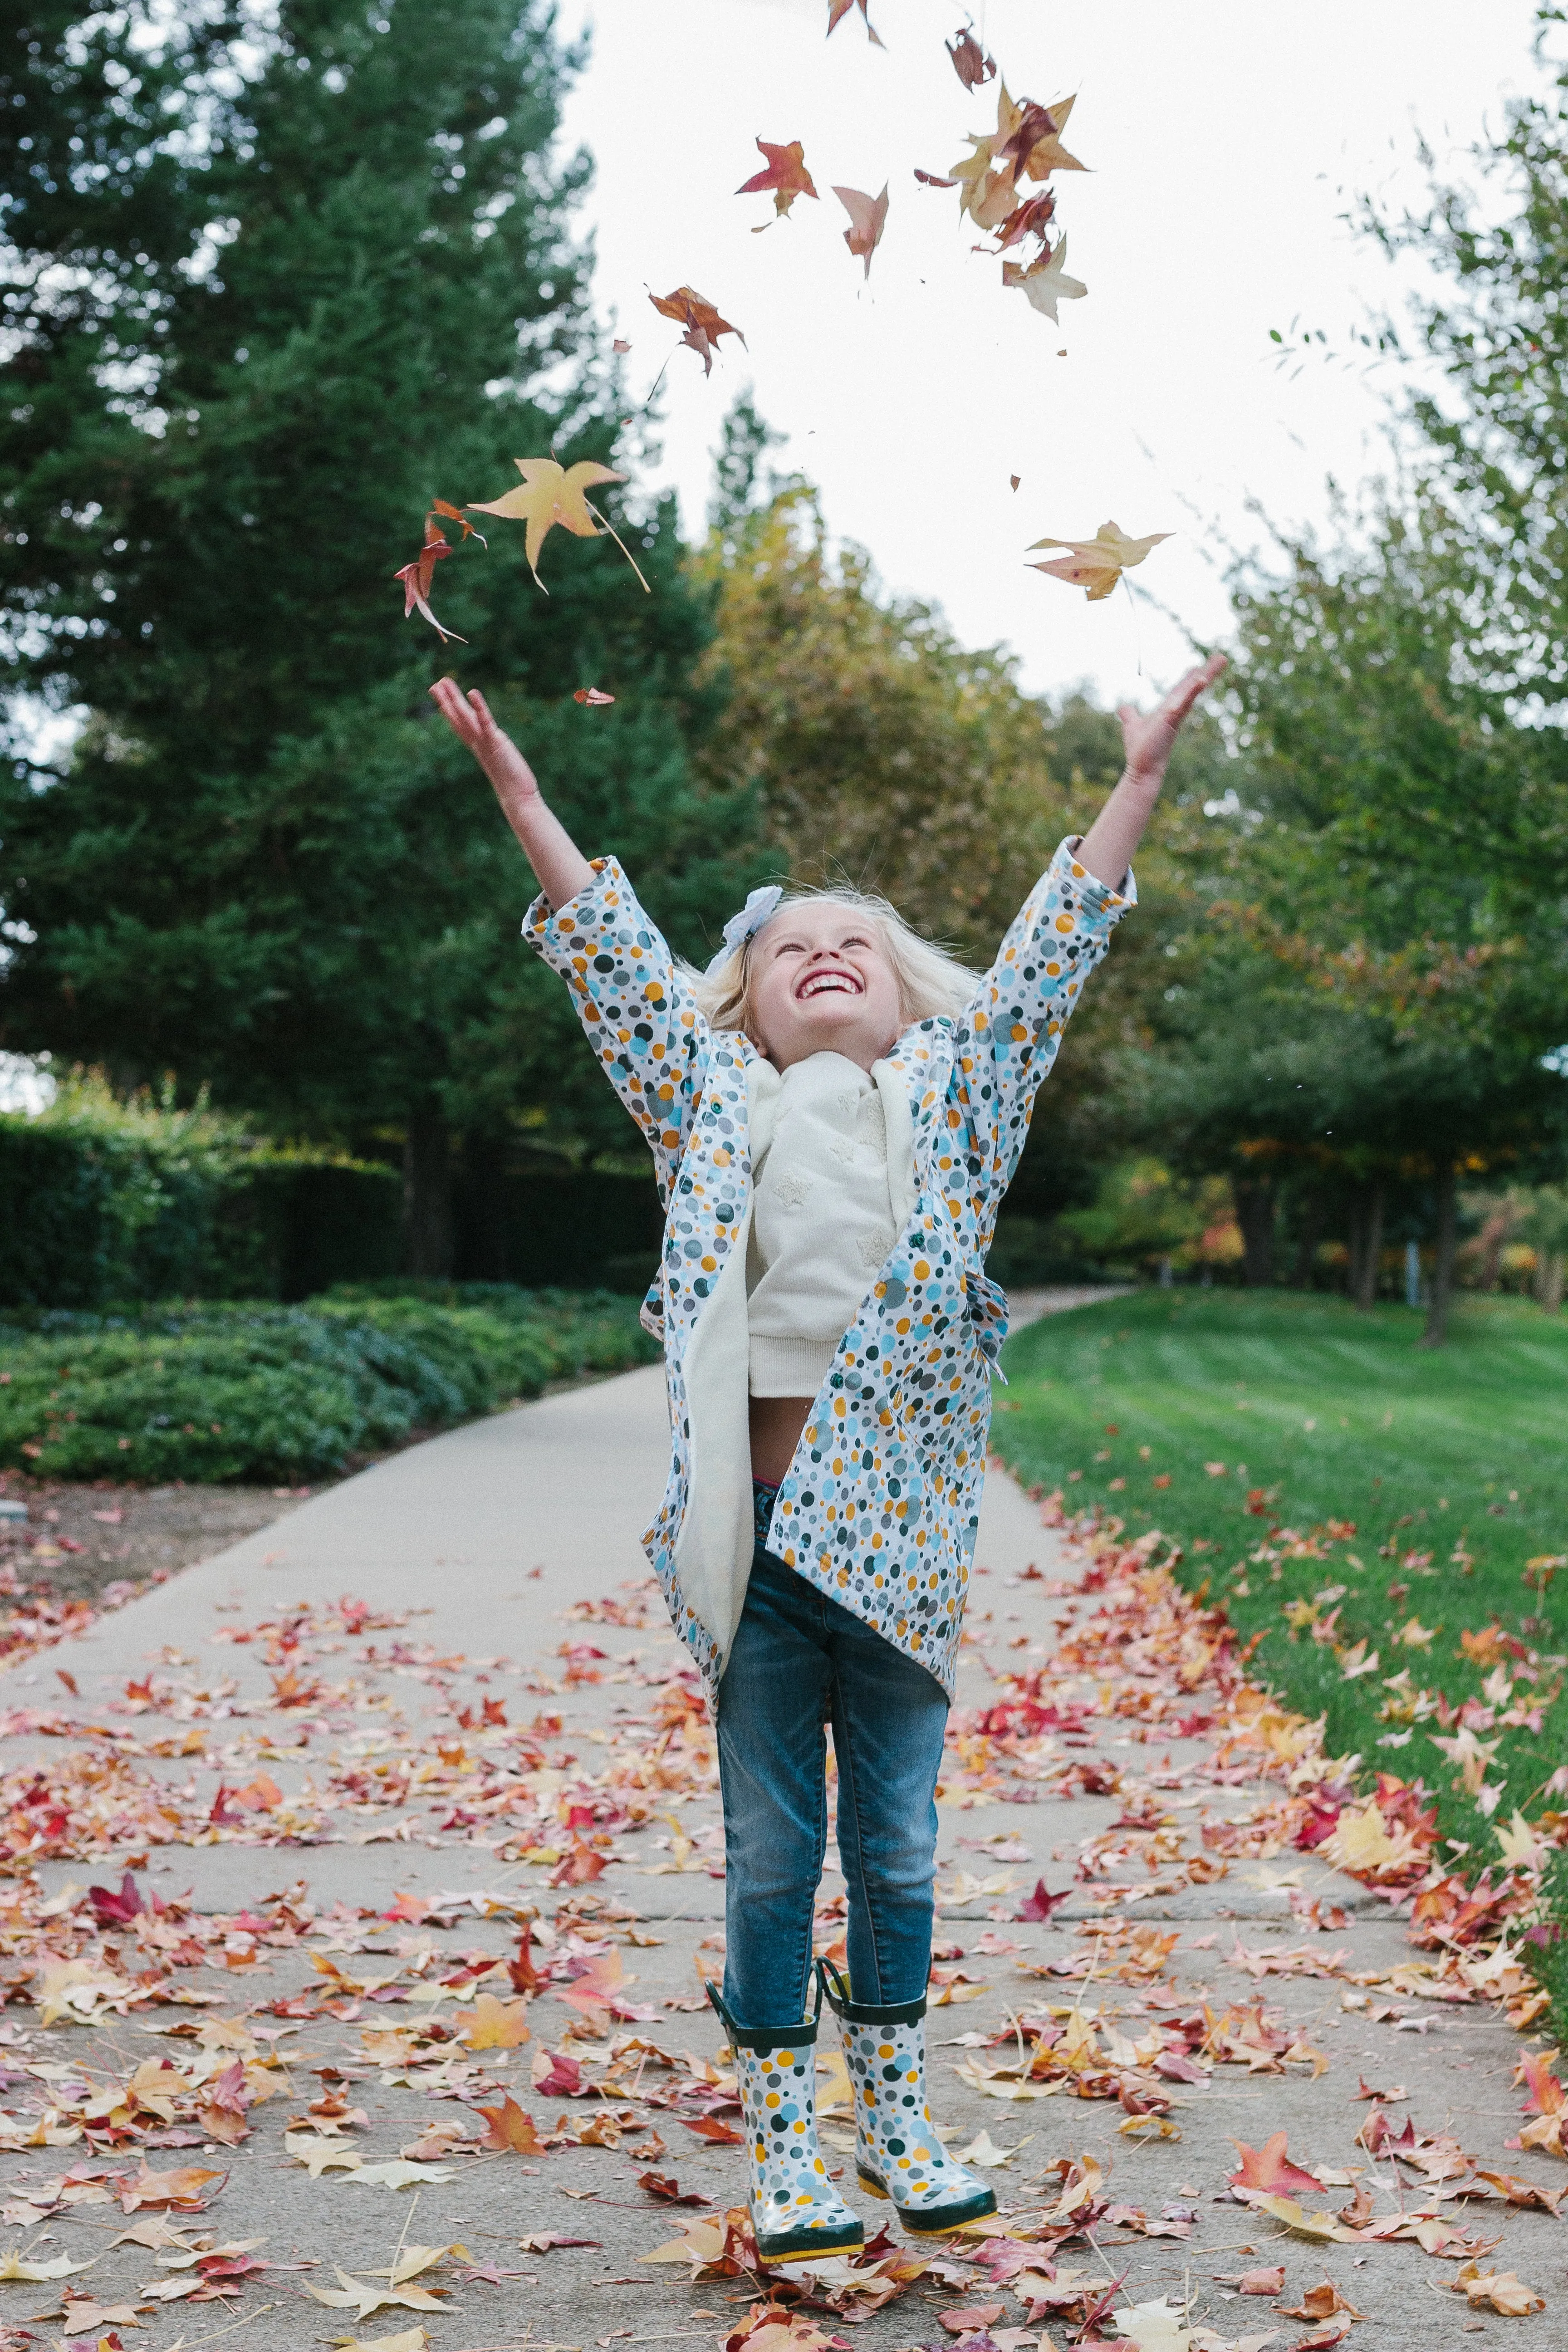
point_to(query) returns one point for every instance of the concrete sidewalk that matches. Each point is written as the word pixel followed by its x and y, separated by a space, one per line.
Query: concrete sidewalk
pixel 489 1538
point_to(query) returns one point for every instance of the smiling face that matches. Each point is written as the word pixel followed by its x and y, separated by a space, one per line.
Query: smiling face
pixel 822 982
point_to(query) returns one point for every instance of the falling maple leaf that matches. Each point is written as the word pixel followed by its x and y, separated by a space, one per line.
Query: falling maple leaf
pixel 934 179
pixel 1045 283
pixel 970 62
pixel 416 578
pixel 509 2127
pixel 1097 564
pixel 1270 2169
pixel 867 219
pixel 839 9
pixel 551 493
pixel 592 696
pixel 784 175
pixel 1031 141
pixel 1031 218
pixel 701 321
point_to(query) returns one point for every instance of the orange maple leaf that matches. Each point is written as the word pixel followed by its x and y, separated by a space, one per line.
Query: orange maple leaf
pixel 1270 2170
pixel 700 321
pixel 509 2127
pixel 785 176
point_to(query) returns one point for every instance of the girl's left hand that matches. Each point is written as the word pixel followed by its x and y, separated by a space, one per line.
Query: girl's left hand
pixel 1149 738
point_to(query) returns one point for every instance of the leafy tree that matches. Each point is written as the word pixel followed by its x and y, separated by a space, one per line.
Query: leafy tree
pixel 319 286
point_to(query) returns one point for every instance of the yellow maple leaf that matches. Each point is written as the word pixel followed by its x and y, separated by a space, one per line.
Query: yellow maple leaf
pixel 1520 1845
pixel 11 2266
pixel 1097 563
pixel 496 2024
pixel 551 493
pixel 1504 2292
pixel 1361 1841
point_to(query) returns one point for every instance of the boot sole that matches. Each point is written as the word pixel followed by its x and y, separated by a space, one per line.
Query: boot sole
pixel 824 2245
pixel 939 2225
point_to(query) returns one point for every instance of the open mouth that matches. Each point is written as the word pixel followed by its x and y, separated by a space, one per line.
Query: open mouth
pixel 828 983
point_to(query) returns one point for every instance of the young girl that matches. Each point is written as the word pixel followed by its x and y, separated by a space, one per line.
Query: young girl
pixel 836 1109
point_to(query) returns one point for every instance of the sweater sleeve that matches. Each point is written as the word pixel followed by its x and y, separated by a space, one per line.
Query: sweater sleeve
pixel 1007 1037
pixel 635 1005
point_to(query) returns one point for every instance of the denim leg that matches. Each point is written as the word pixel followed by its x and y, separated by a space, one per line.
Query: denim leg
pixel 888 1719
pixel 773 1704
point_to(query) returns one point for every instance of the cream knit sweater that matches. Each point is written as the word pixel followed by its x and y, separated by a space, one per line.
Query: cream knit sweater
pixel 824 1219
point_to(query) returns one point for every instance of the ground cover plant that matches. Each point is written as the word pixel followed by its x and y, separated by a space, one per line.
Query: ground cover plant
pixel 1384 1522
pixel 209 1393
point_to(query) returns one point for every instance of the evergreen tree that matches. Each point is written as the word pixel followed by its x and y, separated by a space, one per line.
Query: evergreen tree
pixel 324 280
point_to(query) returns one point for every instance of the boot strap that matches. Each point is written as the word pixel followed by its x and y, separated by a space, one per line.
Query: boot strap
pixel 764 2039
pixel 831 1980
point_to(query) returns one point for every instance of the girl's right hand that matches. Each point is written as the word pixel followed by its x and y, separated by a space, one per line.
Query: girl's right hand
pixel 562 869
pixel 469 720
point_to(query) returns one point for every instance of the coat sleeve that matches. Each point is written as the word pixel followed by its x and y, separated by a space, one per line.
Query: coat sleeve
pixel 1007 1039
pixel 636 1005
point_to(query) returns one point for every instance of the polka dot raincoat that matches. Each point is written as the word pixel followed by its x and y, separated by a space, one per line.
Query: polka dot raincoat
pixel 880 1504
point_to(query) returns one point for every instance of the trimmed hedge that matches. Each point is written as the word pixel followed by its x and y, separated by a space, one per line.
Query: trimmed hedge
pixel 102 1200
pixel 209 1393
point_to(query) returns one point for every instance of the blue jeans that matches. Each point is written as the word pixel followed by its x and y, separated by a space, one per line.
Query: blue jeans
pixel 801 1660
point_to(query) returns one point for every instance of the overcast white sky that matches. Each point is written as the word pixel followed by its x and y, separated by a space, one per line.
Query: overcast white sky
pixel 1226 139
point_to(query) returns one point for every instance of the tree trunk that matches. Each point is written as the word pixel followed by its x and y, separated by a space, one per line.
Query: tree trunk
pixel 427 1193
pixel 1369 1265
pixel 1553 1267
pixel 1437 1330
pixel 1307 1240
pixel 1255 1216
pixel 480 1251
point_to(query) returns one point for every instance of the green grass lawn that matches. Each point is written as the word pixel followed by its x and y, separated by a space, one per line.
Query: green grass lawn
pixel 1219 1416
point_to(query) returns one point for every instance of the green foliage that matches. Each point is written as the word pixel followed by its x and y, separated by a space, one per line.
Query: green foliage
pixel 209 1394
pixel 1141 1213
pixel 267 865
pixel 105 1199
pixel 1444 1472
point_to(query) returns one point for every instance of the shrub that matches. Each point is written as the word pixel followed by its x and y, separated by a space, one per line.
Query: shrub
pixel 209 1393
pixel 104 1200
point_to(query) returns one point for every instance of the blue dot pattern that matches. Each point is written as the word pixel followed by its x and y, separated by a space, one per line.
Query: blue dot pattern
pixel 881 1503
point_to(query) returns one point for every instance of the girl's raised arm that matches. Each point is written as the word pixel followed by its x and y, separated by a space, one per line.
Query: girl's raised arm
pixel 562 869
pixel 1148 739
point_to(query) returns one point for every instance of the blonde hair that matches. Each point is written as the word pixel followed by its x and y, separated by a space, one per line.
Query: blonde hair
pixel 929 980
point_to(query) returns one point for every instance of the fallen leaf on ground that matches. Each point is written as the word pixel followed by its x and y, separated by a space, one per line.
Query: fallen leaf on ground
pixel 509 2127
pixel 971 2319
pixel 1501 2290
pixel 867 219
pixel 1323 2301
pixel 354 2294
pixel 1097 564
pixel 11 2266
pixel 398 2174
pixel 1265 2280
pixel 496 2024
pixel 1271 2170
pixel 1160 2327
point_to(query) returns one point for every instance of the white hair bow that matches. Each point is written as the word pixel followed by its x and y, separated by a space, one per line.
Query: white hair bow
pixel 759 909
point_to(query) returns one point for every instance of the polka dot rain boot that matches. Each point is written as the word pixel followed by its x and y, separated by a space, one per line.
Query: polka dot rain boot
pixel 796 2212
pixel 898 2155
